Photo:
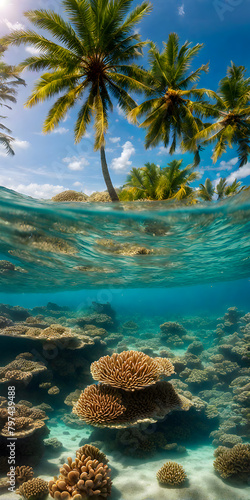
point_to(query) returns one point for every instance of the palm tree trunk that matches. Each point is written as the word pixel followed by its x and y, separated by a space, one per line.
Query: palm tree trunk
pixel 111 190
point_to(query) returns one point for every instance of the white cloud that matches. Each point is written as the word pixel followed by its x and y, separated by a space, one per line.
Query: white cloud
pixel 228 165
pixel 75 163
pixel 45 191
pixel 18 143
pixel 77 184
pixel 33 51
pixel 240 173
pixel 13 26
pixel 224 165
pixel 60 130
pixel 109 150
pixel 181 10
pixel 165 151
pixel 114 139
pixel 123 162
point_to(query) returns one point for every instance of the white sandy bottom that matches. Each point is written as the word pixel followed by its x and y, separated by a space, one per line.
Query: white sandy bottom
pixel 136 479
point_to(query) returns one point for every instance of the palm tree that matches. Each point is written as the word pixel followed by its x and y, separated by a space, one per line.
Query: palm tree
pixel 88 61
pixel 154 183
pixel 222 189
pixel 233 112
pixel 206 191
pixel 175 107
pixel 8 83
pixel 142 183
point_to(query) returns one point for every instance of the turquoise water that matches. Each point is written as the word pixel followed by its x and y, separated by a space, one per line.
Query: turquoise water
pixel 169 281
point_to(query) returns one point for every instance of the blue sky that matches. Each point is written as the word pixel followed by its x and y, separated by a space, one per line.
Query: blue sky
pixel 45 165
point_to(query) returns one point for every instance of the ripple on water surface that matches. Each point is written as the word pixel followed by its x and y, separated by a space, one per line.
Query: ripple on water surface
pixel 88 245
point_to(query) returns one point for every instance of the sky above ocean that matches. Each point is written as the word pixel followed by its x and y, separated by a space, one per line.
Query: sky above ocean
pixel 46 165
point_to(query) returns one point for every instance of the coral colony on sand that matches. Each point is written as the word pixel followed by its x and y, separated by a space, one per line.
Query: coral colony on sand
pixel 130 391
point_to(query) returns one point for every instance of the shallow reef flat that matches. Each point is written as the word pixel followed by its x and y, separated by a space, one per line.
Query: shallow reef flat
pixel 145 391
pixel 48 246
pixel 135 478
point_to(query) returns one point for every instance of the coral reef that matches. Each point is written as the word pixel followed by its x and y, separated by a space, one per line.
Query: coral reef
pixel 102 405
pixel 29 430
pixel 34 489
pixel 99 405
pixel 171 473
pixel 171 328
pixel 96 319
pixel 86 477
pixel 23 474
pixel 233 462
pixel 130 370
pixel 114 247
pixel 100 197
pixel 70 195
pixel 21 370
pixel 52 444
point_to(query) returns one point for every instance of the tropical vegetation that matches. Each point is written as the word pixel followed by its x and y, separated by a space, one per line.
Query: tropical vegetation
pixel 88 61
pixel 152 182
pixel 174 110
pixel 208 192
pixel 172 182
pixel 9 81
pixel 232 127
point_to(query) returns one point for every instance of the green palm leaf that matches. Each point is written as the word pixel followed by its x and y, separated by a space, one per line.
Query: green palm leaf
pixel 88 58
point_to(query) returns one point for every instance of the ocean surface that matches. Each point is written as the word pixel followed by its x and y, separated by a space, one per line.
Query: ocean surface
pixel 80 281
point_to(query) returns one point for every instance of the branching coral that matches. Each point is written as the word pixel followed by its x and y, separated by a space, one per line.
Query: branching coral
pixel 101 405
pixel 171 473
pixel 85 477
pixel 23 474
pixel 34 489
pixel 130 370
pixel 233 462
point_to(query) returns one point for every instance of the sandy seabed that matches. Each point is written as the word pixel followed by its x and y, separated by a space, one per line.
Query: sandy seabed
pixel 135 479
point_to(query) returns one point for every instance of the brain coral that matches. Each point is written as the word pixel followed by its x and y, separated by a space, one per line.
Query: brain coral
pixel 171 473
pixel 233 462
pixel 101 405
pixel 34 489
pixel 85 477
pixel 130 370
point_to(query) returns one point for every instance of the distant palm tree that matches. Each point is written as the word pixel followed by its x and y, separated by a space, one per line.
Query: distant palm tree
pixel 8 83
pixel 206 191
pixel 222 189
pixel 154 183
pixel 89 58
pixel 234 188
pixel 233 111
pixel 175 107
